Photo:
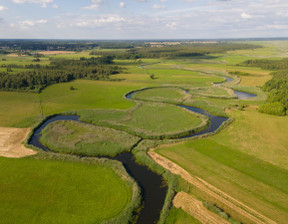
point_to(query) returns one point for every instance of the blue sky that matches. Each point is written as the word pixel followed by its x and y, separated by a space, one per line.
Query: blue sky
pixel 143 19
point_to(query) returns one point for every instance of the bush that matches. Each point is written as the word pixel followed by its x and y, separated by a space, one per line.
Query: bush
pixel 219 211
pixel 238 73
pixel 275 108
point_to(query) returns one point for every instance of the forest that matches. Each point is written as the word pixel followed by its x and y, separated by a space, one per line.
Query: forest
pixel 57 71
pixel 177 51
pixel 63 45
pixel 277 87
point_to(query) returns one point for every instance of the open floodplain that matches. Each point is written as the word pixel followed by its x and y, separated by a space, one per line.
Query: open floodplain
pixel 237 174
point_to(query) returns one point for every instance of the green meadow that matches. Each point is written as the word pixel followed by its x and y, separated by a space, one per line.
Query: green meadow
pixel 19 109
pixel 159 94
pixel 147 120
pixel 247 159
pixel 178 216
pixel 57 191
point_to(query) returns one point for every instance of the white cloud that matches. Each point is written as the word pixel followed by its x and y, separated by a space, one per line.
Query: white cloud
pixel 158 6
pixel 55 6
pixel 191 19
pixel 121 5
pixel 88 22
pixel 42 2
pixel 2 8
pixel 42 21
pixel 92 7
pixel 244 15
pixel 25 24
pixel 95 5
pixel 61 26
pixel 171 25
pixel 278 27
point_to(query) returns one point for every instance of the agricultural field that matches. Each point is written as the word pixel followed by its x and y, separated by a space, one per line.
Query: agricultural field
pixel 239 173
pixel 244 160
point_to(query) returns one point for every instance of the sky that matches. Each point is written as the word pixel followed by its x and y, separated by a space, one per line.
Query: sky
pixel 143 19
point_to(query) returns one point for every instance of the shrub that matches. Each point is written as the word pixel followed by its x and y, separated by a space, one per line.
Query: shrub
pixel 219 211
pixel 275 108
pixel 238 73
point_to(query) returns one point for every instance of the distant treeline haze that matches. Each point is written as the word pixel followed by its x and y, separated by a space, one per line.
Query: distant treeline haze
pixel 176 51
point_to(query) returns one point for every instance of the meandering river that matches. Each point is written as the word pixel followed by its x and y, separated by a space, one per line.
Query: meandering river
pixel 151 184
pixel 241 95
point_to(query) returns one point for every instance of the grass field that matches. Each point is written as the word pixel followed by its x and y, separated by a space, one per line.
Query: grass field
pixel 19 109
pixel 160 94
pixel 84 139
pixel 47 191
pixel 244 160
pixel 147 120
pixel 162 119
pixel 88 95
pixel 182 77
pixel 214 92
pixel 178 216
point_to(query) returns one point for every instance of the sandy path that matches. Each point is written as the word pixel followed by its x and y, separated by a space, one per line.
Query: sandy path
pixel 196 209
pixel 237 206
pixel 11 142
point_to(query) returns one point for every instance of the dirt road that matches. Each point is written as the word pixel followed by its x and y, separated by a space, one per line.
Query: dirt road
pixel 237 206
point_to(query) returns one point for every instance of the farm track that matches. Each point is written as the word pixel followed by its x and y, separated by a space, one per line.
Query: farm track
pixel 234 204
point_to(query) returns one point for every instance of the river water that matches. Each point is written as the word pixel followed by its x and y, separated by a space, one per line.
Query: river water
pixel 151 184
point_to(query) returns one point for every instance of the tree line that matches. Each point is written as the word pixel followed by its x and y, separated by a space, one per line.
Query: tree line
pixel 267 64
pixel 277 87
pixel 175 51
pixel 6 46
pixel 57 72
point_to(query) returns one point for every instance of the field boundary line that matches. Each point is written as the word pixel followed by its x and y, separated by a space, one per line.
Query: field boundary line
pixel 211 190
